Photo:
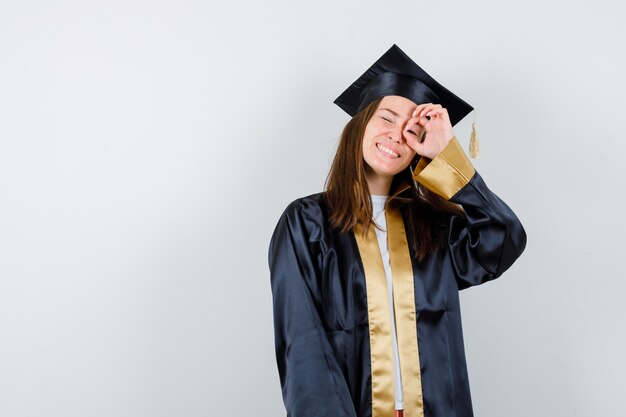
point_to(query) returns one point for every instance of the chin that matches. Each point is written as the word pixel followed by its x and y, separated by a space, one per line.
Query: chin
pixel 389 172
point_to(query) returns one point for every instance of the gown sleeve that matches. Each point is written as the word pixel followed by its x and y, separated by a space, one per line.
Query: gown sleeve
pixel 489 238
pixel 311 379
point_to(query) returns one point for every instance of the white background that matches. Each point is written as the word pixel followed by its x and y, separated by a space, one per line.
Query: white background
pixel 147 149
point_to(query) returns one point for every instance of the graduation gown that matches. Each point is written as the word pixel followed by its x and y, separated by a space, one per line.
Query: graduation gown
pixel 330 303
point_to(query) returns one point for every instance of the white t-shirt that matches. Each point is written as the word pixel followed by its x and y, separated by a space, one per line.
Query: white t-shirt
pixel 378 205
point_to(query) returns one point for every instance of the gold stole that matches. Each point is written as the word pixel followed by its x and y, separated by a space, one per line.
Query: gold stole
pixel 383 398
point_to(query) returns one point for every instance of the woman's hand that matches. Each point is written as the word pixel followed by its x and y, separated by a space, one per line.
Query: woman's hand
pixel 429 130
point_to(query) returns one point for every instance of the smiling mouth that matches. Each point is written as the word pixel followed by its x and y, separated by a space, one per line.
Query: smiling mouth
pixel 387 151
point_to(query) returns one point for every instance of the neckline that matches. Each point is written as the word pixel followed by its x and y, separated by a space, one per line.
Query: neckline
pixel 378 201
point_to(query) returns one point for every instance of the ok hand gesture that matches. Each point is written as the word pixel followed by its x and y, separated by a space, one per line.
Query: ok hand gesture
pixel 429 130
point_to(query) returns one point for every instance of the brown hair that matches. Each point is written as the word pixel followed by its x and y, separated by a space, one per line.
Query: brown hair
pixel 348 197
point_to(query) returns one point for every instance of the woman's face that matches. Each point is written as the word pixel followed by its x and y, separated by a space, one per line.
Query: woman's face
pixel 385 150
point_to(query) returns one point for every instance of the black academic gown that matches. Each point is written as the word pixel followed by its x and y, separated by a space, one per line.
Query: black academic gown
pixel 332 338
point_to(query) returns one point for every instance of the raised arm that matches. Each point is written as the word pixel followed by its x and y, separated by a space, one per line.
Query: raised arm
pixel 490 237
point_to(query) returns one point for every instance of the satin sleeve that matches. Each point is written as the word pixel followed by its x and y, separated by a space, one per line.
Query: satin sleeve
pixel 311 379
pixel 489 238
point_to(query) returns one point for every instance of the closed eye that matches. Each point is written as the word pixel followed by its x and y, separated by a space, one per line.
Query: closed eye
pixel 384 118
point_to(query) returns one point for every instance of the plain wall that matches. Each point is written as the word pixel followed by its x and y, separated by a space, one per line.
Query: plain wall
pixel 147 149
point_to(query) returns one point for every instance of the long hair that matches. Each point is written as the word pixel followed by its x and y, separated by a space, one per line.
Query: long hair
pixel 347 194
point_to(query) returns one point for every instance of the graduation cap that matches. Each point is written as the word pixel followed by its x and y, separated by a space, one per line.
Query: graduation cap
pixel 395 73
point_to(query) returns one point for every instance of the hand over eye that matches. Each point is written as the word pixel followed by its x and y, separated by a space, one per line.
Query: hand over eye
pixel 429 130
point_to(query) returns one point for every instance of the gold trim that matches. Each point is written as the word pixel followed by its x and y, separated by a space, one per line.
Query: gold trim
pixel 447 173
pixel 406 321
pixel 400 188
pixel 383 395
pixel 381 350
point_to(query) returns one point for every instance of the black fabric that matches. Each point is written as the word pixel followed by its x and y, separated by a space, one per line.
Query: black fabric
pixel 394 73
pixel 320 305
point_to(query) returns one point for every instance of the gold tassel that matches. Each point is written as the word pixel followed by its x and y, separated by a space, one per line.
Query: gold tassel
pixel 474 147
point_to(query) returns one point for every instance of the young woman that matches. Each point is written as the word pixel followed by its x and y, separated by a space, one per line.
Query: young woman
pixel 365 275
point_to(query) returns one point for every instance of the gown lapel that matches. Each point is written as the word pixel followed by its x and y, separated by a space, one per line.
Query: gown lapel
pixel 383 398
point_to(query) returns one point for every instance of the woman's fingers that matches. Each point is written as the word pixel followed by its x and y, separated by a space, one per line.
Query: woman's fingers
pixel 414 134
pixel 414 142
pixel 434 112
pixel 414 127
pixel 427 111
pixel 421 107
pixel 426 108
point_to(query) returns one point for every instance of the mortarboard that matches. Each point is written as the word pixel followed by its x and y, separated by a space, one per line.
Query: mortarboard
pixel 395 73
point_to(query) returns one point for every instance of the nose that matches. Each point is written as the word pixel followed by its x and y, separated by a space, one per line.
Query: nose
pixel 396 135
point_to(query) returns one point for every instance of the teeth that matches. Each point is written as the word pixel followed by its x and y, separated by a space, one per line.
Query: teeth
pixel 387 150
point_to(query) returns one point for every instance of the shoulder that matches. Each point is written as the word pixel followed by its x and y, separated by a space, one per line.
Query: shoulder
pixel 310 207
pixel 307 214
pixel 309 204
pixel 302 226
